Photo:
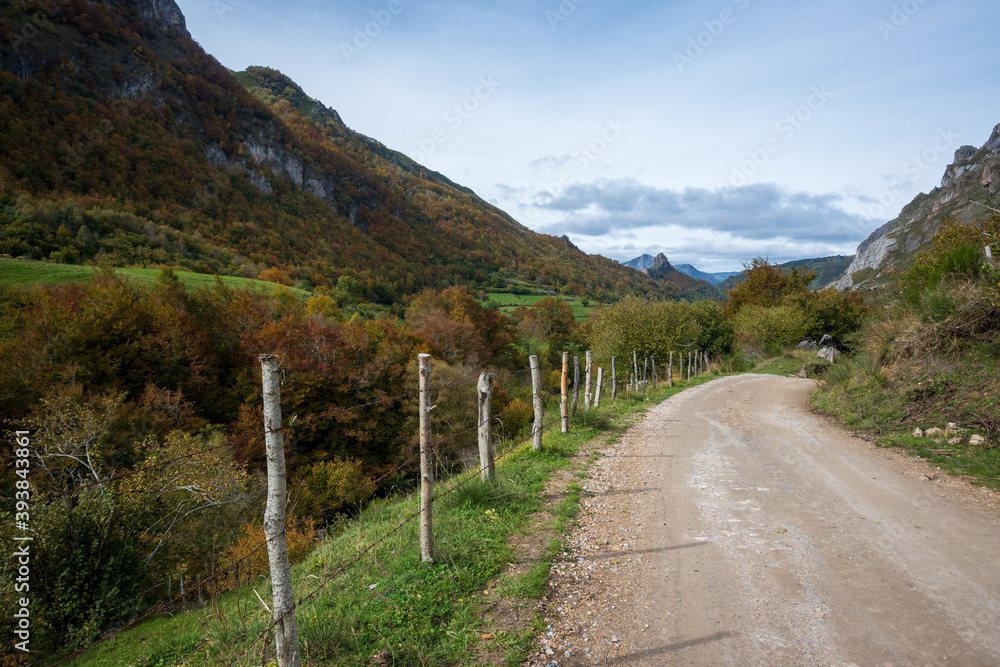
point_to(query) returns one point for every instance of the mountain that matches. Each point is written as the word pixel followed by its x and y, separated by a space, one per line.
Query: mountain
pixel 641 263
pixel 123 142
pixel 660 269
pixel 828 269
pixel 969 189
pixel 711 278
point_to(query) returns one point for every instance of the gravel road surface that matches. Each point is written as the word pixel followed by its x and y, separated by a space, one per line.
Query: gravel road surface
pixel 734 526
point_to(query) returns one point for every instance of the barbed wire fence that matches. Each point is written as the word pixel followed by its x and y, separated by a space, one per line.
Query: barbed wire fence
pixel 282 628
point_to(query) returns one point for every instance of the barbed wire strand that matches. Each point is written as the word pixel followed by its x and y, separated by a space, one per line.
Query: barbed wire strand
pixel 167 604
pixel 344 567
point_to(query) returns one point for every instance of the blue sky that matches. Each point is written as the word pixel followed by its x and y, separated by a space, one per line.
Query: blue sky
pixel 710 131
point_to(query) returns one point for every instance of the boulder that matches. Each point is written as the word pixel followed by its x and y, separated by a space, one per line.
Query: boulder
pixel 829 341
pixel 808 345
pixel 957 440
pixel 977 440
pixel 934 433
pixel 828 353
pixel 918 432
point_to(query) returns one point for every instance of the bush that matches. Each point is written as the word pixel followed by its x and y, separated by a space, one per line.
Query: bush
pixel 330 486
pixel 247 558
pixel 768 329
pixel 514 418
pixel 650 328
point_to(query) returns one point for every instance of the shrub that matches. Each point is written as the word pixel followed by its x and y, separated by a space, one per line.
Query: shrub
pixel 330 486
pixel 762 329
pixel 279 276
pixel 646 327
pixel 515 416
pixel 247 557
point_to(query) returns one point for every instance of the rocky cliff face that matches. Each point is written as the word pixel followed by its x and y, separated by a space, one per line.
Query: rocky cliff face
pixel 165 14
pixel 970 185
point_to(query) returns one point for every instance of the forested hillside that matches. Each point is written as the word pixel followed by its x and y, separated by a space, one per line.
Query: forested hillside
pixel 123 142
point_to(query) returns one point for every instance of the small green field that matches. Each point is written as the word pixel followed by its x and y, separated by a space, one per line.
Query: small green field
pixel 510 302
pixel 29 272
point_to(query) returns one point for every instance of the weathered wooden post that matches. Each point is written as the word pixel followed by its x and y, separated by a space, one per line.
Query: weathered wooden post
pixel 645 374
pixel 653 359
pixel 536 399
pixel 597 391
pixel 670 371
pixel 485 387
pixel 708 363
pixel 689 365
pixel 587 396
pixel 635 371
pixel 286 632
pixel 576 384
pixel 426 463
pixel 564 413
pixel 614 380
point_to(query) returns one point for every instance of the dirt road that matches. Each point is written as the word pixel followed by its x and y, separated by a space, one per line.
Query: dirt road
pixel 735 527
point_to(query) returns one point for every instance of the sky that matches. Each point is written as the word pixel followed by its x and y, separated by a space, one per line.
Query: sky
pixel 713 132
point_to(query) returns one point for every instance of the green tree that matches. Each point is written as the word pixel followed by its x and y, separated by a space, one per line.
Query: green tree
pixel 766 284
pixel 650 328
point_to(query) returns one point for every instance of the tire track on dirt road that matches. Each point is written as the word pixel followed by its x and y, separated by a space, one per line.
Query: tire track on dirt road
pixel 734 526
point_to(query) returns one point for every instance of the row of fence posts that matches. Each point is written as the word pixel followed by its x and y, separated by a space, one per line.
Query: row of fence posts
pixel 285 627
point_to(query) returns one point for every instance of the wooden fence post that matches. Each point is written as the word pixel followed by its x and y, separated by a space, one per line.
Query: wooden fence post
pixel 426 463
pixel 645 373
pixel 286 632
pixel 587 396
pixel 576 384
pixel 689 365
pixel 597 391
pixel 635 371
pixel 486 462
pixel 614 380
pixel 536 399
pixel 653 359
pixel 564 413
pixel 670 371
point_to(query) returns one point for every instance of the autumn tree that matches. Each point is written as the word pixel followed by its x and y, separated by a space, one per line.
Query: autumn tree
pixel 766 284
pixel 460 329
pixel 550 322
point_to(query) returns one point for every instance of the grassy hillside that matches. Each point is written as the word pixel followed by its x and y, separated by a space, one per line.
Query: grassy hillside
pixel 508 303
pixel 929 360
pixel 27 272
pixel 449 613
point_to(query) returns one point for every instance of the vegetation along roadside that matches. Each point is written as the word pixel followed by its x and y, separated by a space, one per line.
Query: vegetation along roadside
pixel 923 376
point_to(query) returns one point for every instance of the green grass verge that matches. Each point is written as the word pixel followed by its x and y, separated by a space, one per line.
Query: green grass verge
pixel 887 404
pixel 790 363
pixel 421 614
pixel 30 272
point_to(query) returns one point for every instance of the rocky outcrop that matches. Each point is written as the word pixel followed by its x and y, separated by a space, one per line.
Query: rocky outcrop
pixel 966 189
pixel 959 166
pixel 165 14
pixel 565 239
pixel 659 262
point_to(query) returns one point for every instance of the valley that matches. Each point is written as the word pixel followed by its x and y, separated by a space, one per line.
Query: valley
pixel 267 375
